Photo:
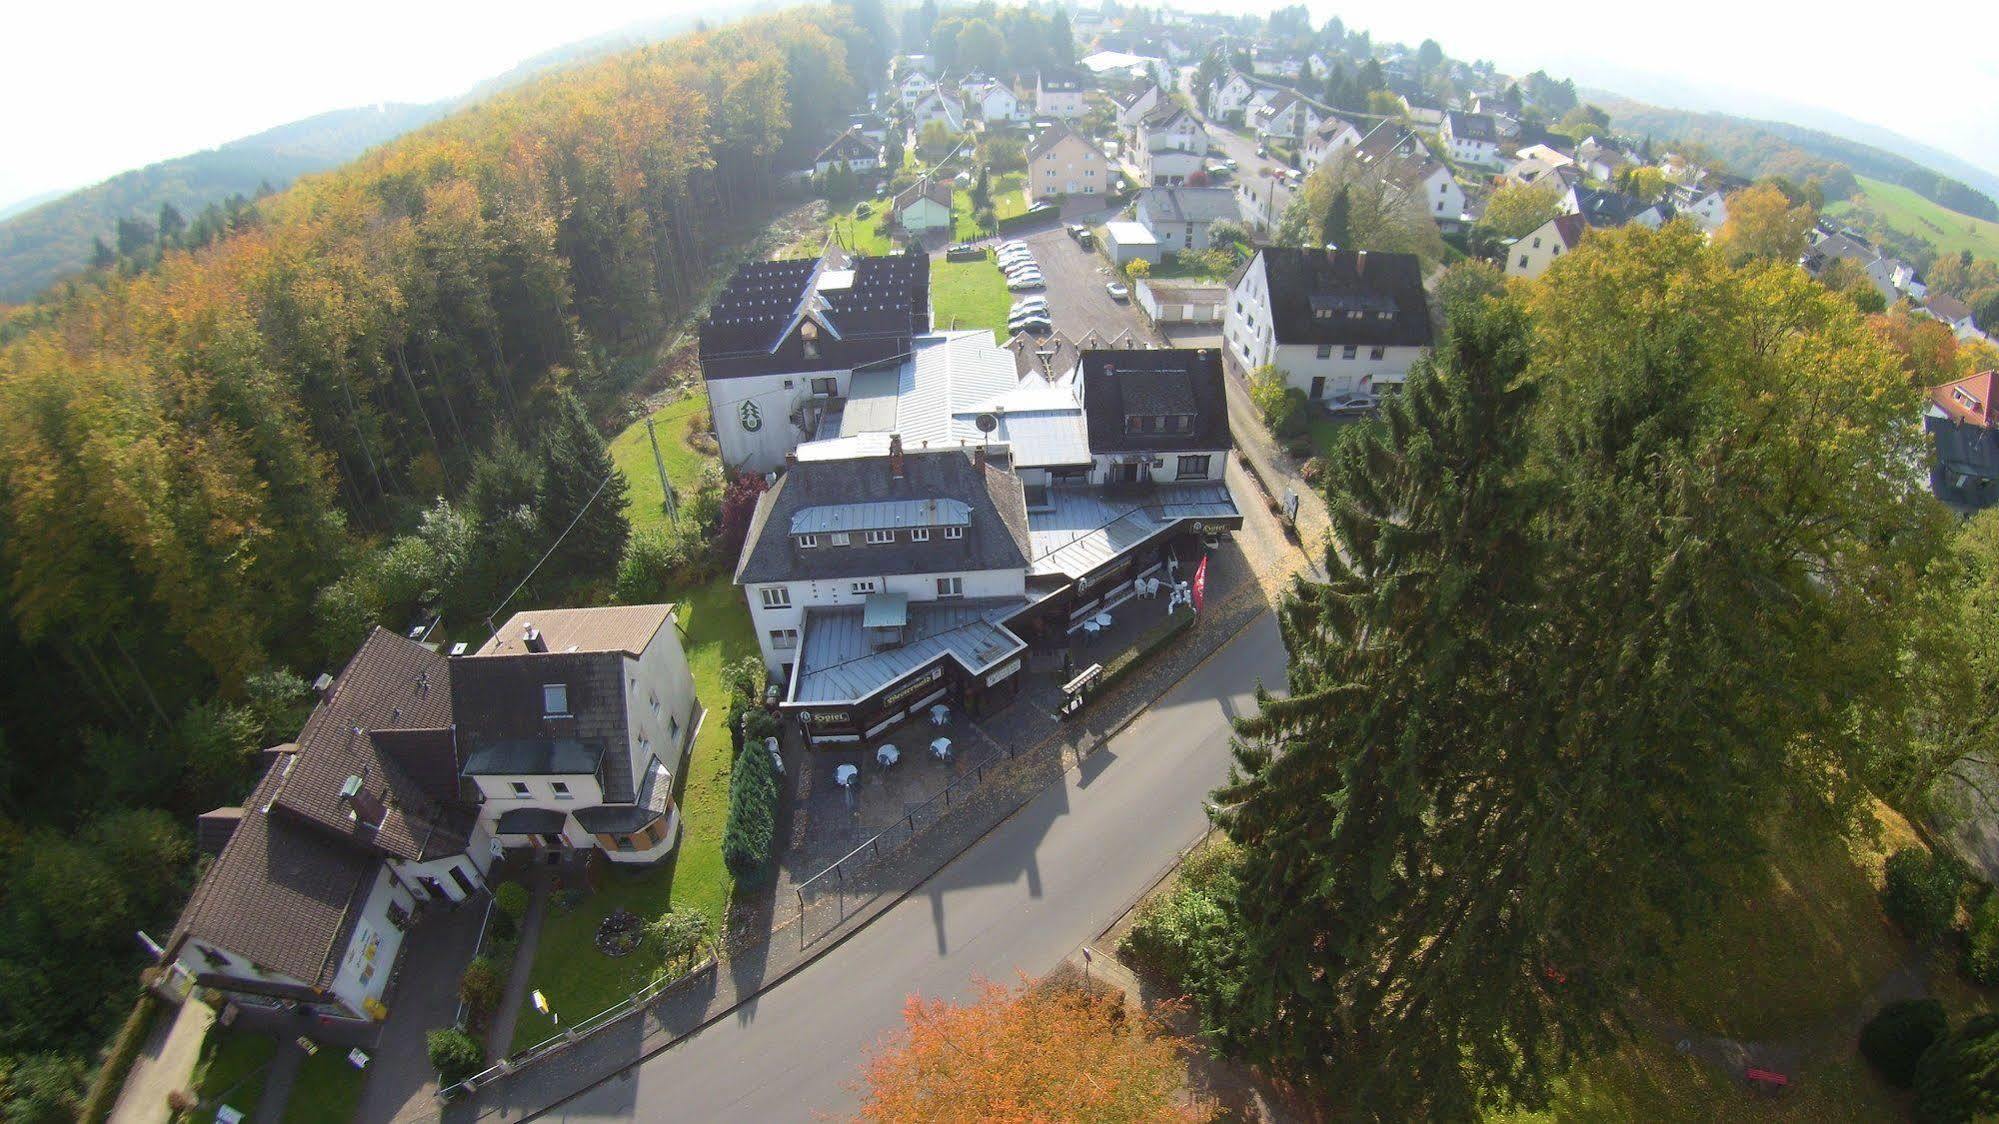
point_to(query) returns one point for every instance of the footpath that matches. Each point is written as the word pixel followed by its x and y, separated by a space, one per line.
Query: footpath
pixel 1267 562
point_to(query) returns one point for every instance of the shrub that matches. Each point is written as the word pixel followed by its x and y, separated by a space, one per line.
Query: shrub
pixel 1312 469
pixel 502 927
pixel 454 1055
pixel 1958 1077
pixel 481 985
pixel 1981 947
pixel 680 935
pixel 1920 892
pixel 738 707
pixel 512 899
pixel 1893 1040
pixel 752 824
pixel 502 950
pixel 1184 934
pixel 759 724
pixel 659 560
pixel 1138 269
pixel 746 677
pixel 1267 393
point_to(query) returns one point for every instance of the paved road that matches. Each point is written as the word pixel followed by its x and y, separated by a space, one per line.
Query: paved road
pixel 1047 880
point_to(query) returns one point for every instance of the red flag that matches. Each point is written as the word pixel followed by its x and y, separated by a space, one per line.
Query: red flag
pixel 1200 583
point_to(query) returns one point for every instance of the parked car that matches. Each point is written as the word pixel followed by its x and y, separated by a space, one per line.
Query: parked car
pixel 1014 257
pixel 1024 266
pixel 963 251
pixel 1029 304
pixel 1024 281
pixel 1028 270
pixel 1044 208
pixel 1118 291
pixel 1036 325
pixel 881 191
pixel 1360 405
pixel 1230 164
pixel 1084 236
pixel 1012 244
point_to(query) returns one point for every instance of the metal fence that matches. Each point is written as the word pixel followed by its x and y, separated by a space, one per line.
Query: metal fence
pixel 628 1006
pixel 849 874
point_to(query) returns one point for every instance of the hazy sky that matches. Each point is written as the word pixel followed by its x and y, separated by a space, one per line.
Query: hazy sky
pixel 94 88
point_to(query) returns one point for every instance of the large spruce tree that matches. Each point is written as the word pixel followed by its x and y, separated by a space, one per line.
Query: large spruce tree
pixel 580 484
pixel 1608 588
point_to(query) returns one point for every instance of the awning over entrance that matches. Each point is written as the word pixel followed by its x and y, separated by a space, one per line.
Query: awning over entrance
pixel 530 821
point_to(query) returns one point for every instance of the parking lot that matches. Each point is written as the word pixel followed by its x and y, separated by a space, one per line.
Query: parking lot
pixel 1077 300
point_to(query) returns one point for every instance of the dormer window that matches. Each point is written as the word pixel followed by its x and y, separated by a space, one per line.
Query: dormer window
pixel 808 332
pixel 555 700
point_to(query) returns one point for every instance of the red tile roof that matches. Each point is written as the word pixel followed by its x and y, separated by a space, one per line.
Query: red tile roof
pixel 1969 399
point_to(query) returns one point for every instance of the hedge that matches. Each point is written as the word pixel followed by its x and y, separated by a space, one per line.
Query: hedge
pixel 1958 1078
pixel 454 1055
pixel 1894 1040
pixel 752 824
pixel 124 1048
pixel 1920 891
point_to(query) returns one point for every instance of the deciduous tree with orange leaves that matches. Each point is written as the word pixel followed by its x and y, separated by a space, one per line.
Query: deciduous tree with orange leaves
pixel 1034 1052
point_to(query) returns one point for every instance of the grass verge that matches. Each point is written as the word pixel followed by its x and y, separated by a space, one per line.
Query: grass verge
pixel 632 453
pixel 231 1071
pixel 327 1091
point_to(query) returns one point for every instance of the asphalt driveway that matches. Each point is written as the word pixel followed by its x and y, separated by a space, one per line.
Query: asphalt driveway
pixel 1077 300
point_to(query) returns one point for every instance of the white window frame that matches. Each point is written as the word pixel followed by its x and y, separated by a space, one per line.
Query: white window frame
pixel 919 534
pixel 1207 466
pixel 880 538
pixel 839 538
pixel 560 790
pixel 774 597
pixel 558 695
pixel 808 540
pixel 521 790
pixel 783 639
pixel 953 586
pixel 831 386
pixel 861 586
pixel 954 532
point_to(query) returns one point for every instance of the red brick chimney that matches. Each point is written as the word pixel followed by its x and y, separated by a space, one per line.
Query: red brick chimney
pixel 979 457
pixel 895 455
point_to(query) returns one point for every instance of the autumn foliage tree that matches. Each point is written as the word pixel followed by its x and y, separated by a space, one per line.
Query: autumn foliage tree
pixel 1033 1052
pixel 1764 225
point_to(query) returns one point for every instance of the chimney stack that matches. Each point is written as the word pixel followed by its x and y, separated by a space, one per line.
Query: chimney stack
pixel 531 639
pixel 323 686
pixel 791 459
pixel 895 455
pixel 362 806
pixel 979 457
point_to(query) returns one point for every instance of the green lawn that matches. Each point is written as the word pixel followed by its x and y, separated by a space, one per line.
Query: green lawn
pixel 328 1090
pixel 632 453
pixel 1009 195
pixel 715 629
pixel 863 236
pixel 969 294
pixel 231 1070
pixel 1909 213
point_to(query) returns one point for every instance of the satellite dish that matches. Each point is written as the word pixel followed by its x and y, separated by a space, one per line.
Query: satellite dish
pixel 986 423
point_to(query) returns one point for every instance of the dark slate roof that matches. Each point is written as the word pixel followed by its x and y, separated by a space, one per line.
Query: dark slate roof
pixel 283 894
pixel 429 758
pixel 848 146
pixel 1134 95
pixel 1163 115
pixel 996 540
pixel 1607 208
pixel 1390 138
pixel 1061 81
pixel 502 729
pixel 1569 228
pixel 1189 204
pixel 529 821
pixel 1155 381
pixel 752 328
pixel 1386 289
pixel 391 684
pixel 1471 126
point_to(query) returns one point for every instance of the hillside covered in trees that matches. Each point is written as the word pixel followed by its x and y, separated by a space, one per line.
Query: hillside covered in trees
pixel 46 242
pixel 385 365
pixel 1758 148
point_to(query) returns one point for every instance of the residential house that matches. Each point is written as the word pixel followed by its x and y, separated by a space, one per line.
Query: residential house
pixel 1471 138
pixel 1179 218
pixel 885 577
pixel 923 206
pixel 316 878
pixel 1126 66
pixel 870 125
pixel 851 148
pixel 1603 209
pixel 573 724
pixel 1959 420
pixel 1705 201
pixel 1171 145
pixel 1228 98
pixel 1061 94
pixel 1131 241
pixel 993 101
pixel 1602 159
pixel 1391 139
pixel 1061 162
pixel 1335 322
pixel 1133 104
pixel 1532 253
pixel 1422 109
pixel 1506 102
pixel 937 105
pixel 780 344
pixel 914 87
pixel 1953 312
pixel 1399 155
pixel 1287 116
pixel 1531 170
pixel 1331 136
pixel 1275 62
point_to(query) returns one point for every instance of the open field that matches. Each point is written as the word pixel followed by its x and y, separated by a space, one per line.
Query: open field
pixel 1912 214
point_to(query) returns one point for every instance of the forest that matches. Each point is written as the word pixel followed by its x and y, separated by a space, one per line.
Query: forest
pixel 220 468
pixel 1758 148
pixel 42 244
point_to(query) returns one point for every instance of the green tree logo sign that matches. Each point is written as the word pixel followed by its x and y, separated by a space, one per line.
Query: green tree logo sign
pixel 751 416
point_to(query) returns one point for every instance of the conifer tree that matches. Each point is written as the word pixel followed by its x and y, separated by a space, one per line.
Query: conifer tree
pixel 575 464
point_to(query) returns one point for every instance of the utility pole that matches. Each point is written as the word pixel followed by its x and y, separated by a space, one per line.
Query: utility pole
pixel 668 502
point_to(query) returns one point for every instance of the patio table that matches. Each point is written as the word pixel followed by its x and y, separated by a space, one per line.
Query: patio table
pixel 1091 628
pixel 844 775
pixel 941 749
pixel 888 755
pixel 940 715
pixel 1103 620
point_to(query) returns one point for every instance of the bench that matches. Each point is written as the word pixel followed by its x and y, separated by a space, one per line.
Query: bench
pixel 1769 1079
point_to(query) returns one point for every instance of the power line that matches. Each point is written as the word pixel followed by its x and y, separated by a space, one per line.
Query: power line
pixel 580 512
